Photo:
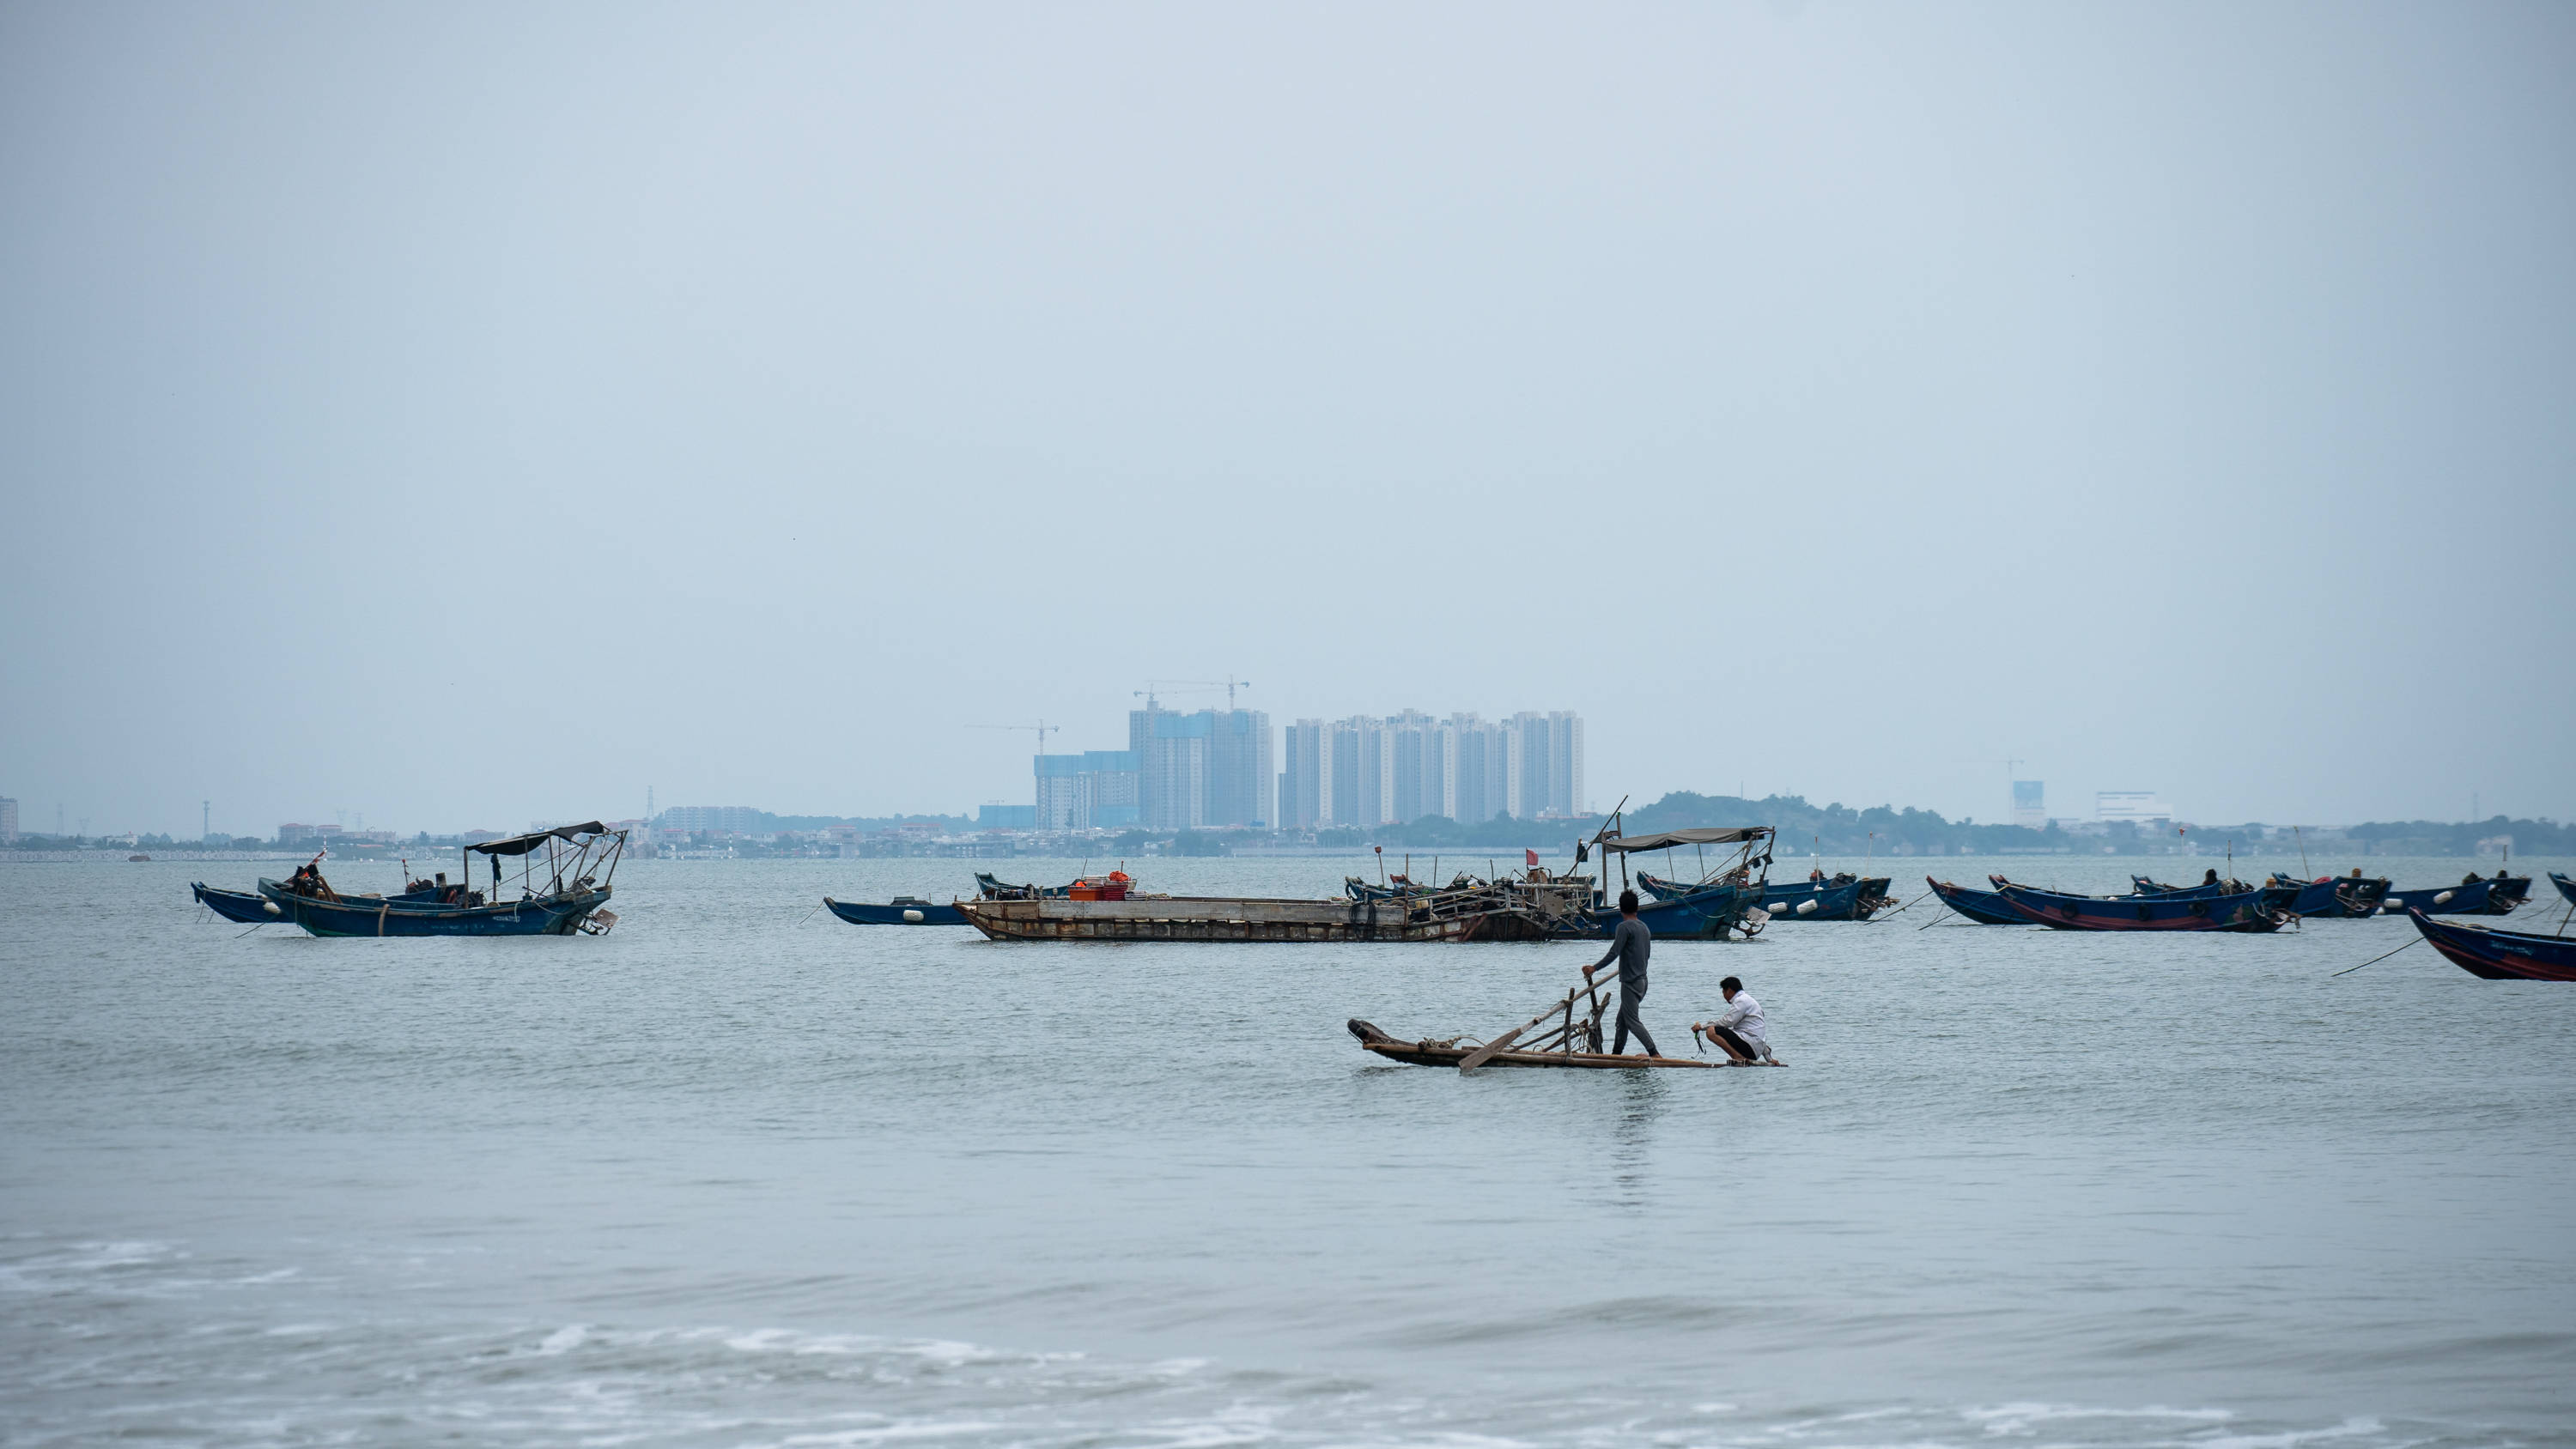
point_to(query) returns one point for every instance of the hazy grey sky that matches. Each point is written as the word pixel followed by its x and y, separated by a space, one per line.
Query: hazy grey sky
pixel 465 415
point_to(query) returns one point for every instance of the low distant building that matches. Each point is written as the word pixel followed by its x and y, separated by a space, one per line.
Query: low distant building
pixel 717 819
pixel 290 836
pixel 2134 807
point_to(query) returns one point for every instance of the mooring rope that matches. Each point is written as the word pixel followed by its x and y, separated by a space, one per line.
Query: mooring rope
pixel 2375 960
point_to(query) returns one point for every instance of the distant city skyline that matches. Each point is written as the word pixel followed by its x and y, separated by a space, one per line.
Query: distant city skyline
pixel 1842 402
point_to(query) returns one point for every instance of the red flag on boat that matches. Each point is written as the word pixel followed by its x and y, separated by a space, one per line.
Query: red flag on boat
pixel 1533 856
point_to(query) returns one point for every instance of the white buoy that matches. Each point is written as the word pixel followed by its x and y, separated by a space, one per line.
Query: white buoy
pixel 912 917
pixel 2393 903
pixel 2444 898
pixel 271 908
pixel 1806 907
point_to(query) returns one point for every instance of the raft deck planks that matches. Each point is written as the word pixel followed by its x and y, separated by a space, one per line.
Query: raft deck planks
pixel 1429 1054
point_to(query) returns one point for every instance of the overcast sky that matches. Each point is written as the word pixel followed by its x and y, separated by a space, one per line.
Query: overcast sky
pixel 459 416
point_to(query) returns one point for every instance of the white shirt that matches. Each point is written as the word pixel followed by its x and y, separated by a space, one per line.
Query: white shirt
pixel 1743 1016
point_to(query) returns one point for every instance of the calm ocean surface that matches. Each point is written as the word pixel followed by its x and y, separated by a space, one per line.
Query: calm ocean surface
pixel 730 1176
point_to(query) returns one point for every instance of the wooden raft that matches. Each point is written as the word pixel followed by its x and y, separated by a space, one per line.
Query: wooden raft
pixel 1433 1054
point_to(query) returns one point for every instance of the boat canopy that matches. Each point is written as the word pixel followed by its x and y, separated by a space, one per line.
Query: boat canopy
pixel 1666 839
pixel 522 844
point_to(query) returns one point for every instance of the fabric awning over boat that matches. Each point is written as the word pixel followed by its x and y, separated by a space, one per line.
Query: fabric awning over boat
pixel 522 844
pixel 1666 839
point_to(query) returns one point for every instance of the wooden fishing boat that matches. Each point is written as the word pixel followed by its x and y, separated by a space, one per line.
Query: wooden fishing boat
pixel 564 887
pixel 901 911
pixel 993 889
pixel 1397 888
pixel 2140 885
pixel 1728 897
pixel 1706 914
pixel 555 915
pixel 1845 897
pixel 252 907
pixel 2474 897
pixel 2243 911
pixel 1470 916
pixel 1451 1052
pixel 2327 898
pixel 1986 908
pixel 249 908
pixel 2499 955
pixel 2565 886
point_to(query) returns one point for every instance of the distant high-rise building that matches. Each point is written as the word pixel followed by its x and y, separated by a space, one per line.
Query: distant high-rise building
pixel 1094 790
pixel 8 821
pixel 1368 770
pixel 1546 763
pixel 1479 786
pixel 1363 772
pixel 1211 767
pixel 2030 804
pixel 1305 776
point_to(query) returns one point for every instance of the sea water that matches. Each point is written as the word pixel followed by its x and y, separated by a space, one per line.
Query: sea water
pixel 739 1174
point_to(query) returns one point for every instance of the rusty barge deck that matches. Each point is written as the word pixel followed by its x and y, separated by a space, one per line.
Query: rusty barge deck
pixel 1219 918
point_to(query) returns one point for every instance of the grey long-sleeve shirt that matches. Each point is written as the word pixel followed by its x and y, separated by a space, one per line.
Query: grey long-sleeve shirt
pixel 1629 946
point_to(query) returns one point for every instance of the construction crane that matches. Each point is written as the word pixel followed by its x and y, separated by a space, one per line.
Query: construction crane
pixel 1192 686
pixel 1042 727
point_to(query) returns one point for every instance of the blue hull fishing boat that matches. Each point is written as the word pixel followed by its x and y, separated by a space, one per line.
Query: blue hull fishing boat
pixel 2500 955
pixel 558 915
pixel 2241 912
pixel 2473 897
pixel 992 888
pixel 2565 886
pixel 246 907
pixel 902 911
pixel 564 885
pixel 1844 898
pixel 2140 885
pixel 1730 899
pixel 250 908
pixel 1707 914
pixel 1986 908
pixel 2325 899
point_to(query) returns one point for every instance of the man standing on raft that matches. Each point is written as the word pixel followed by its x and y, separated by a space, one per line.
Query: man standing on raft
pixel 1629 945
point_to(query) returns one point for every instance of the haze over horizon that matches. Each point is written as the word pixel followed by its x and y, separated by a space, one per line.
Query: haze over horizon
pixel 473 415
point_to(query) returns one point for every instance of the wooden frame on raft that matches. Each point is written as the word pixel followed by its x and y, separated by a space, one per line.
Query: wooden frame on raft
pixel 1554 1047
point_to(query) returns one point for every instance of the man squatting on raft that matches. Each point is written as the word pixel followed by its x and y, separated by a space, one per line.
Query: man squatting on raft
pixel 1629 945
pixel 1739 1031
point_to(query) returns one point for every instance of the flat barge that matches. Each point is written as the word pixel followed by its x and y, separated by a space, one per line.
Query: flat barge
pixel 1217 918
